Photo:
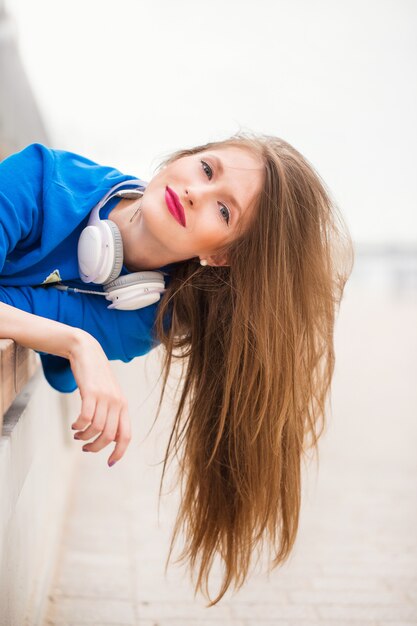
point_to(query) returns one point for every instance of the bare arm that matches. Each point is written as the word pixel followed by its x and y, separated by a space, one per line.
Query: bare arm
pixel 39 333
pixel 104 409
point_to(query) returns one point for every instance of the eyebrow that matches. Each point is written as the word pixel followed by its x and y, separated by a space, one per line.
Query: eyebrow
pixel 221 170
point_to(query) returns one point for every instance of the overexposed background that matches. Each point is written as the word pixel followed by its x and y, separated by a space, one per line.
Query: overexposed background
pixel 125 83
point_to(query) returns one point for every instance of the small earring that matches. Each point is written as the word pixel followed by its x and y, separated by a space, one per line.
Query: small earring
pixel 203 261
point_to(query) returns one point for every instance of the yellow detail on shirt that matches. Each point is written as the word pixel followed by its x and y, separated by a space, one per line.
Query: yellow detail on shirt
pixel 54 277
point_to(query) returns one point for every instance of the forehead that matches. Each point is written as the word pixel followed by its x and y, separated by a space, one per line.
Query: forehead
pixel 241 178
pixel 236 158
pixel 240 170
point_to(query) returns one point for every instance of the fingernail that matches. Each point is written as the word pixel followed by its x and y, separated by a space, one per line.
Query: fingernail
pixel 74 427
pixel 86 449
pixel 76 436
pixel 111 463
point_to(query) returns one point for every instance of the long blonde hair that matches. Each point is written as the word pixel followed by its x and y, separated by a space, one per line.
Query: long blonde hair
pixel 255 340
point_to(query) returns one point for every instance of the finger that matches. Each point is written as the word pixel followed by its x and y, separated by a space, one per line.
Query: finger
pixel 97 425
pixel 123 436
pixel 98 418
pixel 110 420
pixel 86 415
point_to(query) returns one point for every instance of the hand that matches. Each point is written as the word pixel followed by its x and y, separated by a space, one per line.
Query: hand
pixel 104 410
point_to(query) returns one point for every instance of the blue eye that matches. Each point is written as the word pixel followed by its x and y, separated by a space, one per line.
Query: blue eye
pixel 209 172
pixel 207 169
pixel 227 218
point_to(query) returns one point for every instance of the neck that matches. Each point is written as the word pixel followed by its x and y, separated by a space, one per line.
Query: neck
pixel 140 250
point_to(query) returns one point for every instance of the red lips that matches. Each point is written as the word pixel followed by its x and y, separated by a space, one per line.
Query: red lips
pixel 174 205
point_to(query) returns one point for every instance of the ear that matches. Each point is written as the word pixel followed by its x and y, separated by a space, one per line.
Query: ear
pixel 218 260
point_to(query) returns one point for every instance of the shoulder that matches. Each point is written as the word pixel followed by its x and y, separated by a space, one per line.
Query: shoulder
pixel 83 177
pixel 31 167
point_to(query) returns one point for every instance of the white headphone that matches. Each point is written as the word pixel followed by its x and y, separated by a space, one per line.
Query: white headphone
pixel 100 260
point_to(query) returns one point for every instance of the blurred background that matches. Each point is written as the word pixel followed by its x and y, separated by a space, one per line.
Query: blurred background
pixel 125 87
pixel 126 83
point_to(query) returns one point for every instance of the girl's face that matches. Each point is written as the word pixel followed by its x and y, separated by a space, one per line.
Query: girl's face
pixel 217 190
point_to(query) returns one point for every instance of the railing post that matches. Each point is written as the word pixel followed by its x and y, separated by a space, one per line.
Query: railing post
pixel 17 366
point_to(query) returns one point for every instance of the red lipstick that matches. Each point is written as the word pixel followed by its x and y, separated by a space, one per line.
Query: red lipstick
pixel 174 205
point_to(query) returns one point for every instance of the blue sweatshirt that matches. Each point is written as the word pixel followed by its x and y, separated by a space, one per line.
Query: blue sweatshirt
pixel 46 197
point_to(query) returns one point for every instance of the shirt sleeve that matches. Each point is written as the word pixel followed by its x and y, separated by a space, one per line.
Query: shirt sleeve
pixel 123 335
pixel 24 179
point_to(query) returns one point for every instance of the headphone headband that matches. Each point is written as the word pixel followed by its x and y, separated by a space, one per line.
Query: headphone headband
pixel 100 259
pixel 123 193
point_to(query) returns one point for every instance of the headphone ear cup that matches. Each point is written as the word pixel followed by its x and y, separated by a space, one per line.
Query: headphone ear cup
pixel 117 262
pixel 144 279
pixel 136 290
pixel 100 245
pixel 100 252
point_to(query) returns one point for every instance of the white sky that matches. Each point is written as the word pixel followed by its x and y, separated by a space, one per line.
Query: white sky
pixel 126 82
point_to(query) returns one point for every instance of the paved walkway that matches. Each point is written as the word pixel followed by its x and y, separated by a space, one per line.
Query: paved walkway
pixel 355 560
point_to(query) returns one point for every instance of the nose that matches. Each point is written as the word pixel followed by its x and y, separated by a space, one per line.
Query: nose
pixel 189 199
pixel 199 196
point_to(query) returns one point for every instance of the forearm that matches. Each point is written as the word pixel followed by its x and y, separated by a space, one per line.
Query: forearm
pixel 104 410
pixel 40 333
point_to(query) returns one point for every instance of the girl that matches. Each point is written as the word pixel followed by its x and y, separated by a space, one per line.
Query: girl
pixel 253 257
